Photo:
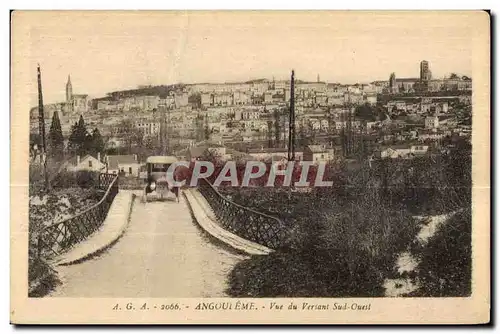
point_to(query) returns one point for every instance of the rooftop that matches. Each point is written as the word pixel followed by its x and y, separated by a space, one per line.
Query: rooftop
pixel 316 148
pixel 115 160
pixel 407 79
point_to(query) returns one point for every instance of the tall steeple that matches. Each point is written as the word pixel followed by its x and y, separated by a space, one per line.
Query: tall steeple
pixel 69 90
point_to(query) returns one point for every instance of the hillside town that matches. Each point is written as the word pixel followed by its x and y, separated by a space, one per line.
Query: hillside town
pixel 252 156
pixel 395 118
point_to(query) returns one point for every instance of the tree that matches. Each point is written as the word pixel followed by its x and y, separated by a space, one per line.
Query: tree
pixel 78 140
pixel 365 112
pixel 269 134
pixel 277 129
pixel 97 143
pixel 206 129
pixel 195 99
pixel 302 140
pixel 56 139
pixel 132 135
pixel 312 138
pixel 152 145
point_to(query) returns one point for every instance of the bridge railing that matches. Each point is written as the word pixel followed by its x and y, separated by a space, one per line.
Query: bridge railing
pixel 105 180
pixel 245 222
pixel 58 237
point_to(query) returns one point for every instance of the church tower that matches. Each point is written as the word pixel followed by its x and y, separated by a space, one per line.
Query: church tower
pixel 69 91
pixel 393 86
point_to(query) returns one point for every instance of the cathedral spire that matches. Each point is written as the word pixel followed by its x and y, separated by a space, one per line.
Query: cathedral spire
pixel 69 90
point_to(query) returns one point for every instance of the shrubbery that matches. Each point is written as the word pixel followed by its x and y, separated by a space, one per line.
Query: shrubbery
pixel 344 240
pixel 82 179
pixel 46 207
pixel 446 262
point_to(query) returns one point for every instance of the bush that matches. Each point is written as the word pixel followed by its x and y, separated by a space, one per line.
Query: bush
pixel 446 262
pixel 42 277
pixel 339 245
pixel 82 179
pixel 302 274
pixel 344 240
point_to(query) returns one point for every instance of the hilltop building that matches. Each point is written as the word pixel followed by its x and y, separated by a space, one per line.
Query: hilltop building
pixel 78 103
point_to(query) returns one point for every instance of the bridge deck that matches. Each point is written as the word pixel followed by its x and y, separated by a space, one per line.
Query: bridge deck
pixel 162 254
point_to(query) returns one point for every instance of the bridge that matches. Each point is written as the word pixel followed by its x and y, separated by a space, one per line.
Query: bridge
pixel 165 253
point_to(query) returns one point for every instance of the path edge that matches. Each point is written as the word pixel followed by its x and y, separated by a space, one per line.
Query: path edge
pixel 202 213
pixel 107 245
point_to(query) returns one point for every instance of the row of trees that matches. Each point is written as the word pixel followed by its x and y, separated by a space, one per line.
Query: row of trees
pixel 80 141
pixel 84 141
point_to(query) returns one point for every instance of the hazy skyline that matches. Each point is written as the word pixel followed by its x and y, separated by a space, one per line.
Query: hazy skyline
pixel 105 51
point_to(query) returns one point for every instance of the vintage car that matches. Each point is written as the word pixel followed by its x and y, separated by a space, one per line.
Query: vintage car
pixel 157 183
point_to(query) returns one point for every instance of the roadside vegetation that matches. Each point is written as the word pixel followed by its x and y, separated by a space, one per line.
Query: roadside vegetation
pixel 344 240
pixel 69 194
pixel 446 262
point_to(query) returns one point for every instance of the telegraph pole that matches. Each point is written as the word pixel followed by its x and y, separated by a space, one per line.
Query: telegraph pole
pixel 41 128
pixel 291 127
pixel 163 130
pixel 167 132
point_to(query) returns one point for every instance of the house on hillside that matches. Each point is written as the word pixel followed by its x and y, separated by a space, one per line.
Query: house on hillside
pixel 273 154
pixel 196 153
pixel 393 152
pixel 402 151
pixel 419 150
pixel 424 135
pixel 431 122
pixel 318 153
pixel 216 150
pixel 87 163
pixel 124 164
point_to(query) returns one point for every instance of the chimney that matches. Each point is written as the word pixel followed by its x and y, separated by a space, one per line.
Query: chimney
pixel 99 156
pixel 77 159
pixel 135 157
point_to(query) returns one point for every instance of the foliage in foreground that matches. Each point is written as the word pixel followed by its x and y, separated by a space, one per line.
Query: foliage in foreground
pixel 336 248
pixel 299 274
pixel 42 277
pixel 70 194
pixel 345 240
pixel 446 261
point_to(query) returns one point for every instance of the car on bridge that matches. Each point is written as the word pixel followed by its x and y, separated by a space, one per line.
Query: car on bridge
pixel 158 185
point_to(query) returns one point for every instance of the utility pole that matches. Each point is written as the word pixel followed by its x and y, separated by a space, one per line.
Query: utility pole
pixel 162 127
pixel 41 128
pixel 291 125
pixel 167 132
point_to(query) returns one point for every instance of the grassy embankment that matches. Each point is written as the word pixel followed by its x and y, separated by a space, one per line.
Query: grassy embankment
pixel 344 240
pixel 69 194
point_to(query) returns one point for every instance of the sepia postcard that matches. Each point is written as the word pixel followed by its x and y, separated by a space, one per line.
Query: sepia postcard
pixel 250 167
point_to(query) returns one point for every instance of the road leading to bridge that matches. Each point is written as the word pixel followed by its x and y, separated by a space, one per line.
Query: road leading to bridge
pixel 161 254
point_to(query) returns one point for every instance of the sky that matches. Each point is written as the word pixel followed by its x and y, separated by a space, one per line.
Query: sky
pixel 109 51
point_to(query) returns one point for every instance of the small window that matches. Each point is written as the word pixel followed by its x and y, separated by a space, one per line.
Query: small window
pixel 130 170
pixel 90 163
